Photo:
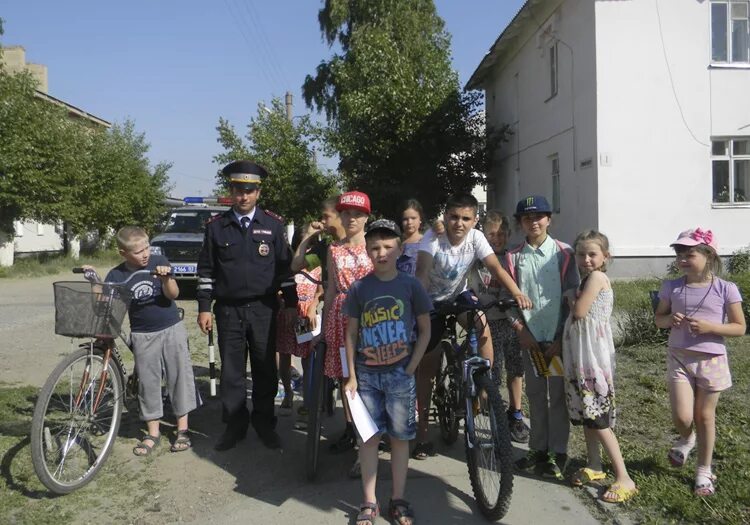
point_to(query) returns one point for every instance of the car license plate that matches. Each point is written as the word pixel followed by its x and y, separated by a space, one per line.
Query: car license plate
pixel 184 268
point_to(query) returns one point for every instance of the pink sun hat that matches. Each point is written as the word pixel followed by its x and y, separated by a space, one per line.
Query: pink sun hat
pixel 696 237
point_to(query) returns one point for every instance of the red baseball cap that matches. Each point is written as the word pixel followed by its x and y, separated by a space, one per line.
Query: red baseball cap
pixel 353 200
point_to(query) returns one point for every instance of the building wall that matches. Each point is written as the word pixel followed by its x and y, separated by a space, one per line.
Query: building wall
pixel 518 93
pixel 14 59
pixel 33 237
pixel 655 129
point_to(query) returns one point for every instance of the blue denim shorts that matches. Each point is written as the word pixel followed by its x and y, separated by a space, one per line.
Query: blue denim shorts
pixel 391 399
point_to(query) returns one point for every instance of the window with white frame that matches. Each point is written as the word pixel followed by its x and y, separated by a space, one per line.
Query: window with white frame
pixel 553 70
pixel 555 163
pixel 730 31
pixel 730 167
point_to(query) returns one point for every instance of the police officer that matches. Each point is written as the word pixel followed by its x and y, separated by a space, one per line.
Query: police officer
pixel 245 257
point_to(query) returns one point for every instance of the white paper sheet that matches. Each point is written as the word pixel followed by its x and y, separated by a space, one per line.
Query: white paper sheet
pixel 344 362
pixel 366 427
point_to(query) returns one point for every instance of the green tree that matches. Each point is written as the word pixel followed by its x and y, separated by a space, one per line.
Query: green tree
pixel 130 190
pixel 296 185
pixel 397 118
pixel 55 169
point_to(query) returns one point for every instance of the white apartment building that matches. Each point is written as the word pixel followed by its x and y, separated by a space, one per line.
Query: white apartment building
pixel 631 116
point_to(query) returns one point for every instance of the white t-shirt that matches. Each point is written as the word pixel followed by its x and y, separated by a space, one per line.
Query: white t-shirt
pixel 451 264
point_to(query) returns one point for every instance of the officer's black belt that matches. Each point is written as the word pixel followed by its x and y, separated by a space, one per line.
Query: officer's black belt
pixel 242 302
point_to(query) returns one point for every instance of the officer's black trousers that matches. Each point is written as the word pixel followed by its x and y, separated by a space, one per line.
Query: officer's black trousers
pixel 241 328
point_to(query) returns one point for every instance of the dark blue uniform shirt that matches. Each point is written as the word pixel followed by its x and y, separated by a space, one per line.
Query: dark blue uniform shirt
pixel 237 264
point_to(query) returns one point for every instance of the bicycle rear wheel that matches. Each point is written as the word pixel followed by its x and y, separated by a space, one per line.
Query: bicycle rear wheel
pixel 71 434
pixel 489 451
pixel 445 395
pixel 316 392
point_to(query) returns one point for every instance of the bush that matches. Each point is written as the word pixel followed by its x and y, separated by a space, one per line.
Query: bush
pixel 739 261
pixel 743 283
pixel 637 328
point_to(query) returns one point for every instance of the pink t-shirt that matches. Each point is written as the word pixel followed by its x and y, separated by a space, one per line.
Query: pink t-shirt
pixel 709 303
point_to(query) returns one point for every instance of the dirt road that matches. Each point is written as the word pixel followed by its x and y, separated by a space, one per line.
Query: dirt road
pixel 249 484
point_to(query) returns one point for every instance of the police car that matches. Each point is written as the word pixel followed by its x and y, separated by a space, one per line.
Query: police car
pixel 182 232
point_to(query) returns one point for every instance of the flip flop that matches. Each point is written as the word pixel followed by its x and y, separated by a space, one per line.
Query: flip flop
pixel 584 476
pixel 621 494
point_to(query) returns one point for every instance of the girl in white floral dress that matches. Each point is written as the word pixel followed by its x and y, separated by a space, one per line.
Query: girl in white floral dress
pixel 589 362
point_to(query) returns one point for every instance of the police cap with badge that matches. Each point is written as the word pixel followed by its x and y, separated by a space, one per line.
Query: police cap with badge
pixel 244 174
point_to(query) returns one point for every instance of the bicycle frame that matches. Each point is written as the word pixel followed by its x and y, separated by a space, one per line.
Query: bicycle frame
pixel 471 363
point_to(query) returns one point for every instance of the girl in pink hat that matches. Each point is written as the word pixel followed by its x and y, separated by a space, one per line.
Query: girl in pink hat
pixel 700 309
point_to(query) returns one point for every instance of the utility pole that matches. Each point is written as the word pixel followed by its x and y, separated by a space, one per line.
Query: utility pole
pixel 289 107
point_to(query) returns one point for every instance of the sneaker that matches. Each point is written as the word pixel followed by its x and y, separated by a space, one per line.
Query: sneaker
pixel 519 430
pixel 347 441
pixel 533 459
pixel 554 466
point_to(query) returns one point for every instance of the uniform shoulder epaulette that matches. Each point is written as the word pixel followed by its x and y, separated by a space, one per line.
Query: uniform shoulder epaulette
pixel 274 215
pixel 214 218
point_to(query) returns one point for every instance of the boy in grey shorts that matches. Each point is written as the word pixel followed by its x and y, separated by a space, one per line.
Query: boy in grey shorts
pixel 159 339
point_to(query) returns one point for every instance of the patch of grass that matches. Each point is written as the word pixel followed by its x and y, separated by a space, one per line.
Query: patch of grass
pixel 23 499
pixel 645 432
pixel 633 295
pixel 54 264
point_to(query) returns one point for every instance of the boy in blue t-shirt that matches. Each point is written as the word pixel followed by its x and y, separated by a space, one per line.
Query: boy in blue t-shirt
pixel 158 338
pixel 382 358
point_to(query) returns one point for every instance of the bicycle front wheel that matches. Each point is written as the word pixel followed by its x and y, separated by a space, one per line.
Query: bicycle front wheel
pixel 489 451
pixel 316 391
pixel 445 395
pixel 75 422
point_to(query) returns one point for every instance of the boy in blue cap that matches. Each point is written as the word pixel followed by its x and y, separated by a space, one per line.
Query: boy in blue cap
pixel 544 269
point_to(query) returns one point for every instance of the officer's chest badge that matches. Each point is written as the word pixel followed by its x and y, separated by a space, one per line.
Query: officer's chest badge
pixel 264 249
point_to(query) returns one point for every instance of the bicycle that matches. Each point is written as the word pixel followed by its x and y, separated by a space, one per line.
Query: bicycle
pixel 320 390
pixel 78 412
pixel 465 390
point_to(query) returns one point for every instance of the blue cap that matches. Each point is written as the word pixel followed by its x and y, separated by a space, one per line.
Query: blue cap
pixel 533 204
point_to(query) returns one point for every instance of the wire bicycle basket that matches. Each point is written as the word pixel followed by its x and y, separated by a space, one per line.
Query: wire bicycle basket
pixel 84 309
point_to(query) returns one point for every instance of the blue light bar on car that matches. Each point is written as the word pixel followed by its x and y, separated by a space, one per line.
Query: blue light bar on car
pixel 207 200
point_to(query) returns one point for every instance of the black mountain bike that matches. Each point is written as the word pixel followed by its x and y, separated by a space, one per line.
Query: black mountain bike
pixel 465 390
pixel 319 399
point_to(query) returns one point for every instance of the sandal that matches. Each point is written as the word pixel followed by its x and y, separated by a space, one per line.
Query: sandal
pixel 285 409
pixel 423 451
pixel 704 485
pixel 621 494
pixel 680 451
pixel 584 476
pixel 400 512
pixel 142 449
pixel 182 442
pixel 367 518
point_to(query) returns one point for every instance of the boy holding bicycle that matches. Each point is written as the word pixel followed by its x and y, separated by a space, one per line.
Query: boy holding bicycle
pixel 443 266
pixel 158 339
pixel 381 354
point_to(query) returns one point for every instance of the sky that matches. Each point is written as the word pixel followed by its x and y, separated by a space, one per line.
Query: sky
pixel 174 67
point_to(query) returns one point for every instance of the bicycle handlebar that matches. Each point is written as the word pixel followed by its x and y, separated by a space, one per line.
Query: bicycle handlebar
pixel 93 277
pixel 310 277
pixel 456 308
